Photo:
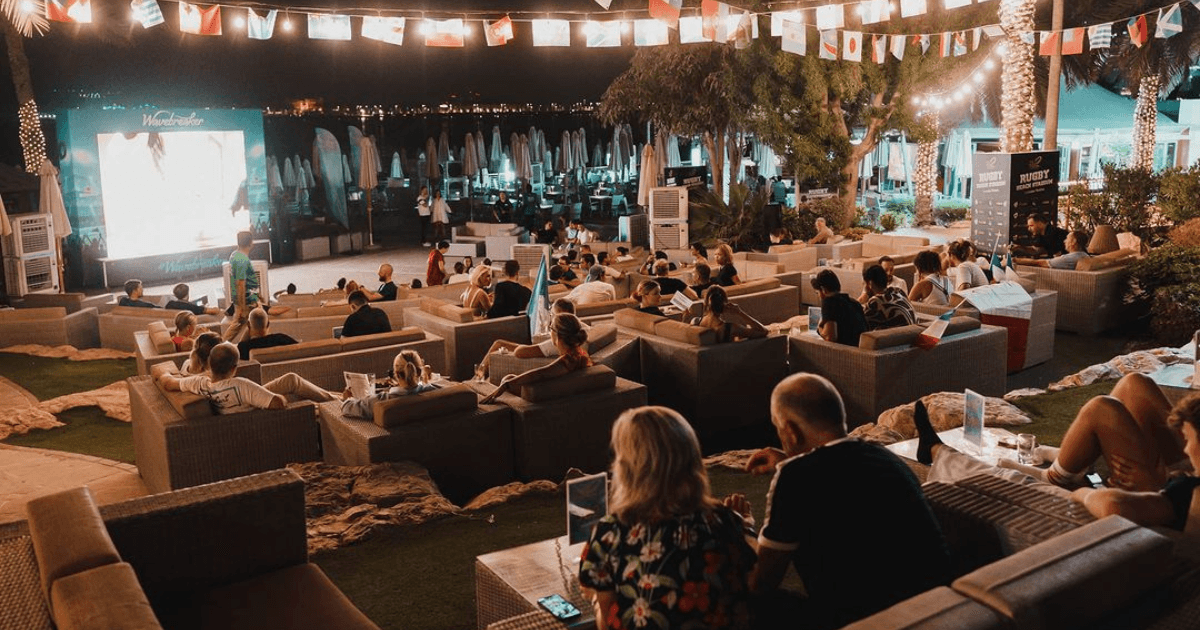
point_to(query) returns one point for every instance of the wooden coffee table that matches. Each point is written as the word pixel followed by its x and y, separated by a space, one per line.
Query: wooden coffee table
pixel 510 582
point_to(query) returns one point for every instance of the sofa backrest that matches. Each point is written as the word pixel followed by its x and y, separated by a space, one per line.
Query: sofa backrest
pixel 45 313
pixel 907 335
pixel 597 377
pixel 68 536
pixel 604 308
pixel 1119 258
pixel 637 320
pixel 323 311
pixel 148 313
pixel 404 410
pixel 753 286
pixel 71 301
pixel 160 337
pixel 446 310
pixel 755 269
pixel 876 245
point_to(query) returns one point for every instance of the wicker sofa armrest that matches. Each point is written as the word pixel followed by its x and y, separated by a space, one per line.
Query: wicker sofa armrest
pixel 83 328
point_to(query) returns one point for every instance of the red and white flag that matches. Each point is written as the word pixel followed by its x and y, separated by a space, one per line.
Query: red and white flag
pixel 1138 32
pixel 77 11
pixel 199 20
pixel 498 33
pixel 716 20
pixel 829 45
pixel 879 48
pixel 444 33
pixel 666 11
pixel 933 334
pixel 852 46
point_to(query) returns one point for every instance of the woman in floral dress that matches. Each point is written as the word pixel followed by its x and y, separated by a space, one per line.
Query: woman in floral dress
pixel 668 555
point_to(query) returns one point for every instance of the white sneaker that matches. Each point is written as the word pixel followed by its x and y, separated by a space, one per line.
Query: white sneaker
pixel 426 245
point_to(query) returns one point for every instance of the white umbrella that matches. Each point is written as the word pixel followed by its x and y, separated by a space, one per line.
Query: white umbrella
pixel 5 226
pixel 598 155
pixel 310 180
pixel 1094 164
pixel 649 176
pixel 627 149
pixel 346 169
pixel 274 181
pixel 565 162
pixel 51 199
pixel 431 159
pixel 581 149
pixel 289 174
pixel 496 157
pixel 526 160
pixel 443 147
pixel 397 171
pixel 368 178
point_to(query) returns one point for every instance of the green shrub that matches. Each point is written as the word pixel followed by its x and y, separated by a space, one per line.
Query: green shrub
pixel 901 204
pixel 1186 234
pixel 947 211
pixel 800 221
pixel 1170 265
pixel 1179 193
pixel 889 221
pixel 1131 192
pixel 1176 313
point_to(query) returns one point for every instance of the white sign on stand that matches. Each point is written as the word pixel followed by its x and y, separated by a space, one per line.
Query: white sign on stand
pixel 973 420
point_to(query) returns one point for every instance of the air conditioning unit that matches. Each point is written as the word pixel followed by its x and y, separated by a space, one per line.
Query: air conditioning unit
pixel 260 270
pixel 668 236
pixel 668 203
pixel 32 235
pixel 529 256
pixel 634 229
pixel 30 274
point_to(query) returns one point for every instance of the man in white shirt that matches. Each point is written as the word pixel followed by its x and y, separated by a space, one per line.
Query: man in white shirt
pixel 594 289
pixel 231 394
pixel 1076 251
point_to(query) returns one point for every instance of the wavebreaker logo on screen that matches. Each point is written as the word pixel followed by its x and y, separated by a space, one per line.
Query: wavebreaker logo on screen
pixel 164 118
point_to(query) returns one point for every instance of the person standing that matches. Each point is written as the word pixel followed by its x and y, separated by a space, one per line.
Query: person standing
pixel 435 270
pixel 243 286
pixel 423 214
pixel 440 214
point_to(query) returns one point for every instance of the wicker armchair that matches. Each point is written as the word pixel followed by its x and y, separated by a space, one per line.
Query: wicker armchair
pixel 608 347
pixel 50 326
pixel 1089 302
pixel 118 325
pixel 324 362
pixel 467 340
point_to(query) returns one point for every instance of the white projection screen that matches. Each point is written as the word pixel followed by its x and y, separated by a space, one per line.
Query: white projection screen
pixel 172 191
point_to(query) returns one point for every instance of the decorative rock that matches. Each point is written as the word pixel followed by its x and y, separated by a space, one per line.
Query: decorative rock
pixel 501 494
pixel 1143 361
pixel 945 412
pixel 68 352
pixel 876 434
pixel 730 459
pixel 1024 392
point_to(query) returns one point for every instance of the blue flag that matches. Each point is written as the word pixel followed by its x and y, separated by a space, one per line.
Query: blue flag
pixel 539 302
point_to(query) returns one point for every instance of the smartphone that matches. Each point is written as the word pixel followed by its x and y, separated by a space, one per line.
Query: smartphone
pixel 1095 480
pixel 559 607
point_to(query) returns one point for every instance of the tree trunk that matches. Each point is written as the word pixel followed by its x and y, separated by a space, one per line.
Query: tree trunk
pixel 926 181
pixel 33 139
pixel 1017 103
pixel 859 152
pixel 1145 122
pixel 715 145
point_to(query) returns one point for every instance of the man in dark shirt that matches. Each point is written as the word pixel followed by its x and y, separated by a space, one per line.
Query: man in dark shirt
pixel 702 276
pixel 365 320
pixel 668 285
pixel 182 302
pixel 842 318
pixel 387 290
pixel 830 496
pixel 260 335
pixel 133 295
pixel 510 297
pixel 1045 240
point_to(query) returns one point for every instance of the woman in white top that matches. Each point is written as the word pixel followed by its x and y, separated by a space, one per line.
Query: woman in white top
pixel 933 287
pixel 476 296
pixel 423 213
pixel 968 274
pixel 440 215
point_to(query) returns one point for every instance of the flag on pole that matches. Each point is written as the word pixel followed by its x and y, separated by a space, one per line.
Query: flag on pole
pixel 879 48
pixel 147 12
pixel 666 10
pixel 830 16
pixel 444 33
pixel 329 26
pixel 852 46
pixel 911 8
pixel 649 33
pixel 716 20
pixel 933 334
pixel 260 27
pixel 829 45
pixel 498 33
pixel 1100 36
pixel 960 43
pixel 551 33
pixel 76 11
pixel 199 21
pixel 539 302
pixel 1138 33
pixel 875 11
pixel 1169 23
pixel 608 34
pixel 795 37
pixel 898 44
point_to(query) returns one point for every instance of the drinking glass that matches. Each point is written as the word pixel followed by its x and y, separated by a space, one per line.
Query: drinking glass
pixel 1027 449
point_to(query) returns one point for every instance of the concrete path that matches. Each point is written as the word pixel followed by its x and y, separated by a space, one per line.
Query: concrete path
pixel 28 473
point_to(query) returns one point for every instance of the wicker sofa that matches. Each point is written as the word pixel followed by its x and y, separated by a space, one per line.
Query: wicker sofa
pixel 495 240
pixel 230 555
pixel 1091 298
pixel 886 370
pixel 50 326
pixel 117 327
pixel 310 323
pixel 718 387
pixel 323 361
pixel 467 339
pixel 619 351
pixel 1026 350
pixel 179 442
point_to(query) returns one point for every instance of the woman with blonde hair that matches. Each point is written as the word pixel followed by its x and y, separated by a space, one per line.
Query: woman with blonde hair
pixel 570 339
pixel 727 275
pixel 668 554
pixel 184 334
pixel 649 295
pixel 476 297
pixel 410 376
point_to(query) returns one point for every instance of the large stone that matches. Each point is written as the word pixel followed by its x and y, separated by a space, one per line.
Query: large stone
pixel 730 459
pixel 1143 362
pixel 945 413
pixel 509 491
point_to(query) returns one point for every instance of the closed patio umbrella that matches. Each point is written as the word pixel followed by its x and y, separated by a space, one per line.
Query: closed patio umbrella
pixel 496 156
pixel 431 159
pixel 5 225
pixel 347 174
pixel 50 201
pixel 597 155
pixel 649 175
pixel 565 162
pixel 310 180
pixel 397 170
pixel 443 147
pixel 368 179
pixel 274 181
pixel 672 158
pixel 289 174
pixel 356 158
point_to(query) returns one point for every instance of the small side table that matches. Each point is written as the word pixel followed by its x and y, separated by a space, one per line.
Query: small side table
pixel 510 582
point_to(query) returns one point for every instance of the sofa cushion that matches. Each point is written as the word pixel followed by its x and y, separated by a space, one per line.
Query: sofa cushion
pixel 45 313
pixel 304 350
pixel 934 609
pixel 605 307
pixel 590 379
pixel 68 535
pixel 105 597
pixel 1106 261
pixel 637 320
pixel 685 333
pixel 446 310
pixel 752 286
pixel 323 311
pixel 160 337
pixel 906 335
pixel 404 410
pixel 404 335
pixel 140 311
pixel 185 404
pixel 600 336
pixel 783 249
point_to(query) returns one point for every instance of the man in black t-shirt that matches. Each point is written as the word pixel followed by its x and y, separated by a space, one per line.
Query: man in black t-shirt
pixel 510 297
pixel 260 335
pixel 1044 240
pixel 842 317
pixel 182 302
pixel 387 288
pixel 365 320
pixel 848 515
pixel 668 285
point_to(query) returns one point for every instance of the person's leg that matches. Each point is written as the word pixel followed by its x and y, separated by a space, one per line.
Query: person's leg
pixel 293 385
pixel 1105 427
pixel 1150 408
pixel 497 345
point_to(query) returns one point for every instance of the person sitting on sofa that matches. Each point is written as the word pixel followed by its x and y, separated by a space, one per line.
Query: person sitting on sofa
pixel 702 277
pixel 934 286
pixel 185 331
pixel 824 234
pixel 727 274
pixel 967 273
pixel 460 275
pixel 1076 244
pixel 842 318
pixel 548 235
pixel 260 336
pixel 661 502
pixel 594 288
pixel 231 394
pixel 570 339
pixel 527 351
pixel 591 260
pixel 648 295
pixel 699 253
pixel 568 278
pixel 647 268
pixel 716 305
pixel 183 302
pixel 410 376
pixel 197 361
pixel 671 285
pixel 475 297
pixel 887 306
pixel 1044 240
pixel 365 319
pixel 780 236
pixel 387 288
pixel 510 297
pixel 133 295
pixel 622 254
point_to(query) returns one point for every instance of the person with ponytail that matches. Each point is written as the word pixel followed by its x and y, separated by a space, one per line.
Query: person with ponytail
pixel 410 376
pixel 716 307
pixel 649 295
pixel 197 361
pixel 570 338
pixel 185 331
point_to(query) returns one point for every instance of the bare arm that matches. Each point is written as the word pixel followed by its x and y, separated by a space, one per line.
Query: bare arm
pixel 602 602
pixel 691 295
pixel 1143 508
pixel 528 352
pixel 751 329
pixel 828 331
pixel 920 290
pixel 170 382
pixel 1031 262
pixel 557 368
pixel 770 569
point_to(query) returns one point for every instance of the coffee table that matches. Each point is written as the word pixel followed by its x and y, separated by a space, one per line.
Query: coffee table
pixel 998 444
pixel 510 582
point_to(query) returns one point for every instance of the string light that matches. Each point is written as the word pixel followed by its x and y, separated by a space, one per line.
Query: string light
pixel 1016 89
pixel 33 141
pixel 1145 119
pixel 925 177
pixel 27 7
pixel 939 99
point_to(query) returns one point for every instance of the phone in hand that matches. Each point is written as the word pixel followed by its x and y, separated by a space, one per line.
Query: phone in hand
pixel 559 607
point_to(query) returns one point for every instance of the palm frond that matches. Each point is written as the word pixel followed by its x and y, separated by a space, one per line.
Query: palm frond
pixel 26 16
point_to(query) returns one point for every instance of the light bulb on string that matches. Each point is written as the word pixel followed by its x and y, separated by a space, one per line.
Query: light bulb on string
pixel 27 7
pixel 239 22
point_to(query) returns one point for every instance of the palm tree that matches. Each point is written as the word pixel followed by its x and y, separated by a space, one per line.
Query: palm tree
pixel 18 24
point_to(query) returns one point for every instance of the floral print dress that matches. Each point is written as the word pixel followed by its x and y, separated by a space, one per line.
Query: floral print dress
pixel 687 572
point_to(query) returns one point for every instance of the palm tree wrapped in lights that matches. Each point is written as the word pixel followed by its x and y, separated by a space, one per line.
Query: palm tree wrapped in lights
pixel 21 19
pixel 1017 84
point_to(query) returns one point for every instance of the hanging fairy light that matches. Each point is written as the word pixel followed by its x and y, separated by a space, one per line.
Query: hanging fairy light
pixel 33 141
pixel 1016 91
pixel 1145 119
pixel 925 177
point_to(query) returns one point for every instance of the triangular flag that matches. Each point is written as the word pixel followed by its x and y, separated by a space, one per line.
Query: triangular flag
pixel 910 8
pixel 389 30
pixel 923 41
pixel 879 48
pixel 666 10
pixel 778 17
pixel 1100 35
pixel 604 3
pixel 551 33
pixel 198 20
pixel 933 334
pixel 831 16
pixel 954 4
pixel 829 45
pixel 1169 23
pixel 498 33
pixel 1138 33
pixel 976 37
pixel 259 27
pixel 852 46
pixel 329 26
pixel 960 43
pixel 716 20
pixel 1073 41
pixel 77 11
pixel 947 44
pixel 795 37
pixel 607 34
pixel 147 12
pixel 875 11
pixel 444 33
pixel 1049 41
pixel 743 33
pixel 649 33
pixel 898 44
